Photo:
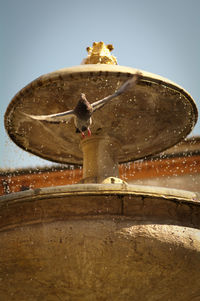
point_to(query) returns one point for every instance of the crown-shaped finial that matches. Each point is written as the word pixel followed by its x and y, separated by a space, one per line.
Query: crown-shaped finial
pixel 100 53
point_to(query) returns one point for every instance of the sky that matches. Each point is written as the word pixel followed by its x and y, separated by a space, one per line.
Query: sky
pixel 41 36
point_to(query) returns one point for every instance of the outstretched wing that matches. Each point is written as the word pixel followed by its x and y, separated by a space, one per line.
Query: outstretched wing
pixel 127 85
pixel 54 118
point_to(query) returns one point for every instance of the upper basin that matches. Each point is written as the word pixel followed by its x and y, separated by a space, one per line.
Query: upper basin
pixel 149 118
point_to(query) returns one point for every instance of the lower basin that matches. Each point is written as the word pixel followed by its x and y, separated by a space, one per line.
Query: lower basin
pixel 100 242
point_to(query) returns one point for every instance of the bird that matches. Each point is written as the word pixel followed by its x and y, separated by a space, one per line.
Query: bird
pixel 84 110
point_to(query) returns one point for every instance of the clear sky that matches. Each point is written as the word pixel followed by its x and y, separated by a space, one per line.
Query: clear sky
pixel 40 36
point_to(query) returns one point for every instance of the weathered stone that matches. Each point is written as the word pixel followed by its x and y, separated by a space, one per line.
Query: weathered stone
pixel 100 242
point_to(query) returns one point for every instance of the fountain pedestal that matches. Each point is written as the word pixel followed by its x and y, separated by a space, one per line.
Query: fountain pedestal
pixel 100 159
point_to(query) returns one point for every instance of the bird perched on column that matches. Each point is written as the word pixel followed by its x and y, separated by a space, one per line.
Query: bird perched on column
pixel 83 111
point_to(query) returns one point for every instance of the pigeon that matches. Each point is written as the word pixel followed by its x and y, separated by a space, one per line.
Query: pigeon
pixel 84 110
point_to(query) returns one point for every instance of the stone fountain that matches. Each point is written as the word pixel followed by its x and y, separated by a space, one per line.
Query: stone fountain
pixel 101 239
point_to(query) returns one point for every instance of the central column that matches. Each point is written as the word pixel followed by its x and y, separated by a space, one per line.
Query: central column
pixel 100 159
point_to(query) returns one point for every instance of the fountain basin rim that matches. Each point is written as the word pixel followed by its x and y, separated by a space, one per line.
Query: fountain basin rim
pixel 99 189
pixel 144 204
pixel 59 74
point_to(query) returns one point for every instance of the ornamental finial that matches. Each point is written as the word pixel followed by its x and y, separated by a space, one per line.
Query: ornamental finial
pixel 100 53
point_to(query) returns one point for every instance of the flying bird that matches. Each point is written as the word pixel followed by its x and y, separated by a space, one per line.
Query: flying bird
pixel 84 110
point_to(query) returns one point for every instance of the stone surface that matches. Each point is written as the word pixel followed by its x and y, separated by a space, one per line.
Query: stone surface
pixel 100 159
pixel 100 242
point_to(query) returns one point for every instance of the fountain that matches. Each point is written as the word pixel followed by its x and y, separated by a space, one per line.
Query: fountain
pixel 100 239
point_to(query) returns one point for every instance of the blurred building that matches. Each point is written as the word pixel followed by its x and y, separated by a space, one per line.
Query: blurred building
pixel 178 167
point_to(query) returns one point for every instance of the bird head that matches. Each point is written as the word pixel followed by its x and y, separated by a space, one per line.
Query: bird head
pixel 83 96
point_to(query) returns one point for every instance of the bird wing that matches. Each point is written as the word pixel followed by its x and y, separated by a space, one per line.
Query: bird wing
pixel 54 118
pixel 127 85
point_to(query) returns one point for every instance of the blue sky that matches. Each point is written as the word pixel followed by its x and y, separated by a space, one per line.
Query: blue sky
pixel 41 36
